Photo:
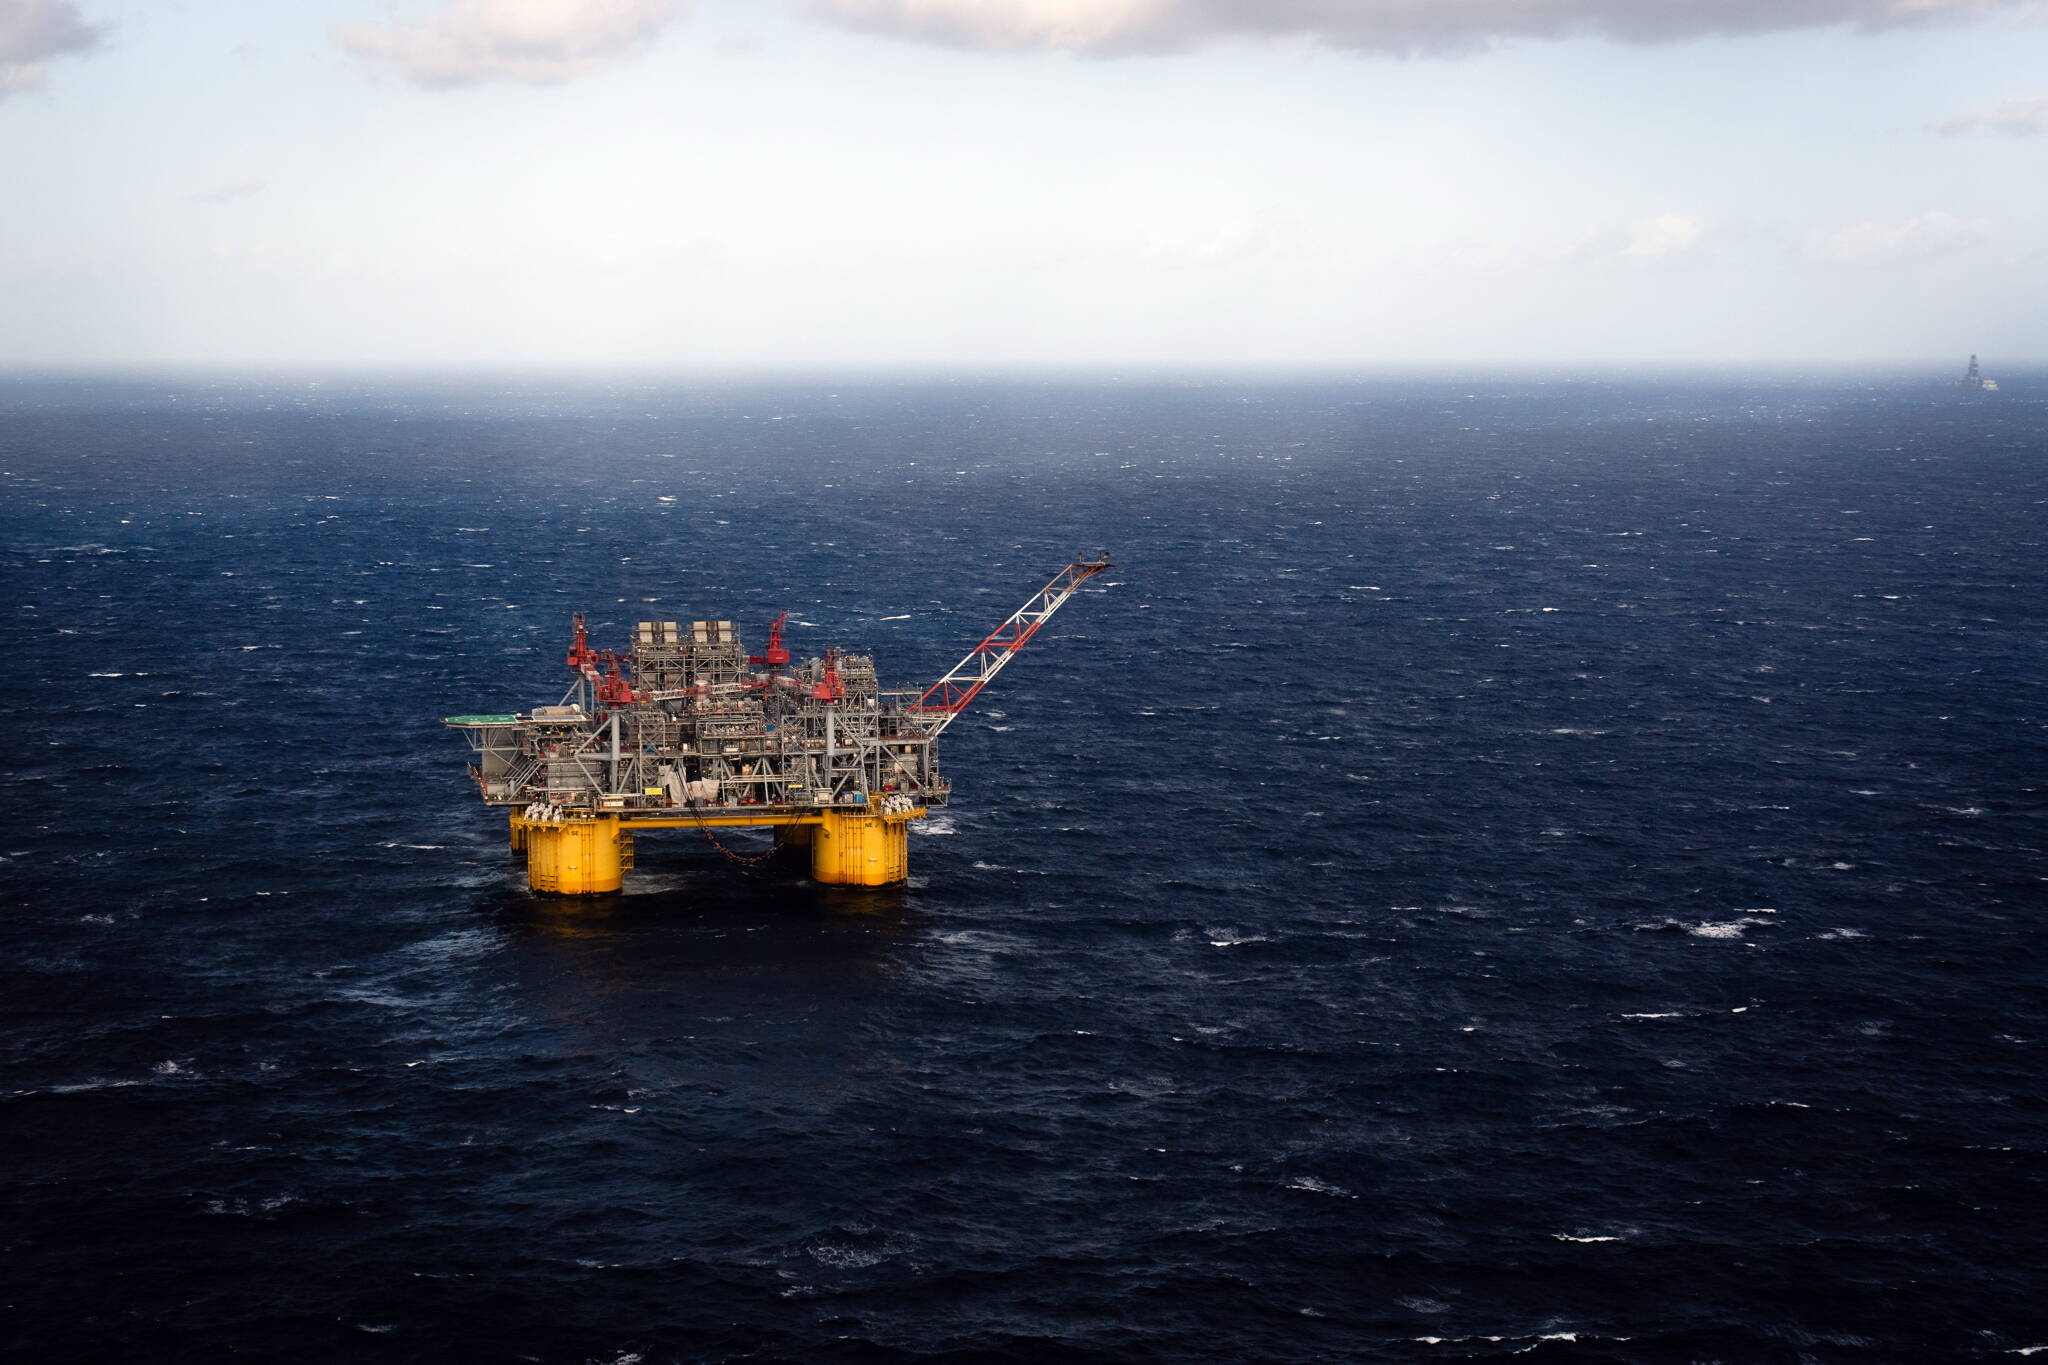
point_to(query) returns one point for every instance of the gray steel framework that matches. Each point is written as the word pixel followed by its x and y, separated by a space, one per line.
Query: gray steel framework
pixel 689 722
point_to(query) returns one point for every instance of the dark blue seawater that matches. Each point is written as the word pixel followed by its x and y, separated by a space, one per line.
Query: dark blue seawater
pixel 1509 867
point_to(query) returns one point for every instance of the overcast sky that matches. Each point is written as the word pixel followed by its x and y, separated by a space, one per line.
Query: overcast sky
pixel 992 182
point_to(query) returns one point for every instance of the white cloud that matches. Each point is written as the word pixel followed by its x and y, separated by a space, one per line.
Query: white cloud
pixel 228 191
pixel 1112 27
pixel 528 42
pixel 1874 242
pixel 1013 25
pixel 1663 237
pixel 1213 244
pixel 1664 242
pixel 2023 118
pixel 32 33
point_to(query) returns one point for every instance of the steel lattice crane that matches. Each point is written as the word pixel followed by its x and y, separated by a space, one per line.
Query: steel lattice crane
pixel 945 699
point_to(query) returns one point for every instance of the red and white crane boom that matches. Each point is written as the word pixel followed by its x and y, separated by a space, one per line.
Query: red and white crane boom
pixel 948 697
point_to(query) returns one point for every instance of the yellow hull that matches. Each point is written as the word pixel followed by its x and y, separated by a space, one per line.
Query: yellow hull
pixel 576 857
pixel 590 856
pixel 860 850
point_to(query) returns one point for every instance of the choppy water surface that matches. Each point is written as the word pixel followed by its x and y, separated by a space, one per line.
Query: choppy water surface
pixel 1507 867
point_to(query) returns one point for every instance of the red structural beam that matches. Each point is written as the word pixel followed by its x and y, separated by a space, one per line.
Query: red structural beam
pixel 950 695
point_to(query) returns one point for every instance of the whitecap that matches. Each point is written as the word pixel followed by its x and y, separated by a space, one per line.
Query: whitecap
pixel 1733 928
pixel 1726 929
pixel 1311 1185
pixel 1544 1336
pixel 80 1087
pixel 243 1208
pixel 845 1258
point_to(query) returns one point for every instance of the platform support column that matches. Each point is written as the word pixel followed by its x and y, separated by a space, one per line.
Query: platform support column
pixel 577 857
pixel 516 830
pixel 860 850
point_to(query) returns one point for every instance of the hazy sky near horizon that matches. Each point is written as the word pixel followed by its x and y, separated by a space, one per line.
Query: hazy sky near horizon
pixel 992 182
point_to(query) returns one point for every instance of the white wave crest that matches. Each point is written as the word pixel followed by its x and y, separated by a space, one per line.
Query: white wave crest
pixel 1733 928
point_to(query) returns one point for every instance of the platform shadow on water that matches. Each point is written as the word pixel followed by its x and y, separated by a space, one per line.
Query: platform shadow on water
pixel 708 921
pixel 706 976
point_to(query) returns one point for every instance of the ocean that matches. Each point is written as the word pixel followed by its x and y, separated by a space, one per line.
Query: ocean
pixel 1520 865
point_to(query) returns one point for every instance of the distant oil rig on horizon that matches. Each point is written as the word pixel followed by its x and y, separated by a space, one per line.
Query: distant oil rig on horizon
pixel 692 731
pixel 1976 380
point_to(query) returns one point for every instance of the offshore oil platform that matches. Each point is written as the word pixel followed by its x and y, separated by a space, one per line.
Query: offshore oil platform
pixel 687 729
pixel 1974 378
